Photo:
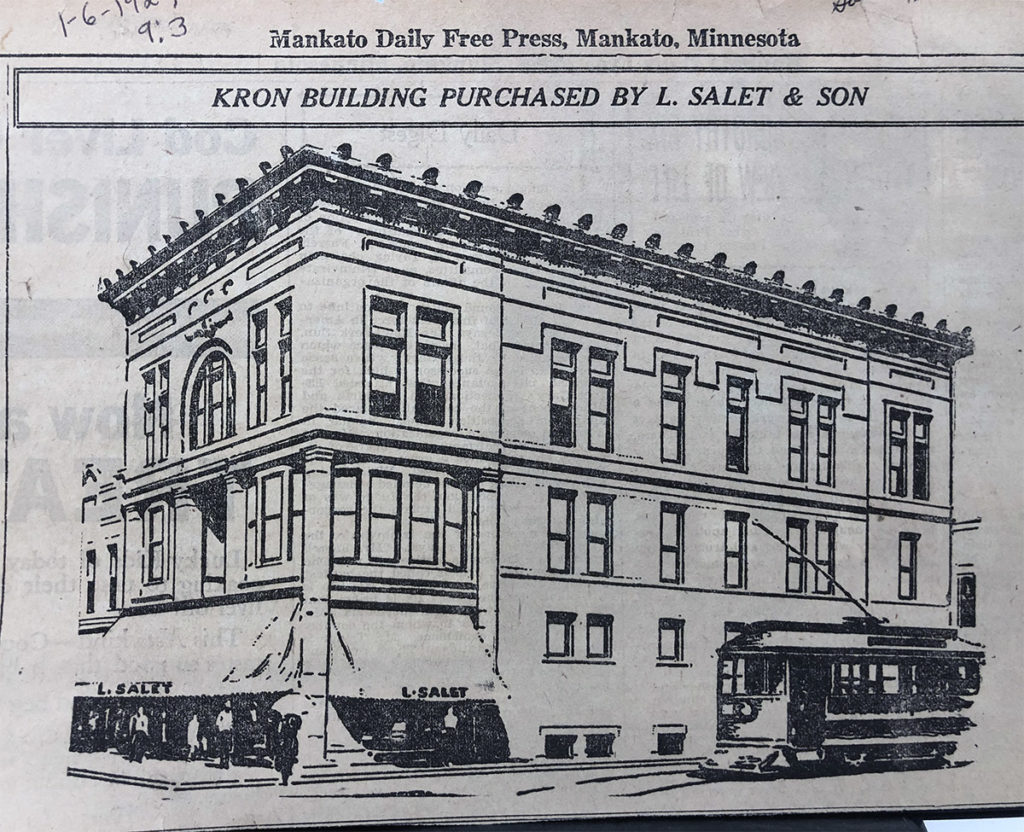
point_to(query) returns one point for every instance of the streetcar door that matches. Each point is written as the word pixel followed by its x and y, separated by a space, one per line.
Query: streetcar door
pixel 808 687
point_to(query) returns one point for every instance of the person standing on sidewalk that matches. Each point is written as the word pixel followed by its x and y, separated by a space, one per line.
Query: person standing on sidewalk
pixel 192 736
pixel 288 746
pixel 225 725
pixel 139 731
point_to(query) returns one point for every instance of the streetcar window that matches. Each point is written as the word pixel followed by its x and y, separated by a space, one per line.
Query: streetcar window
pixel 734 676
pixel 848 679
pixel 890 678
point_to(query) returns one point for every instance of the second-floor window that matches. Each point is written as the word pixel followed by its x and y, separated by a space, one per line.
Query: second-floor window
pixel 824 558
pixel 276 514
pixel 907 588
pixel 909 451
pixel 599 534
pixel 670 639
pixel 672 568
pixel 735 550
pixel 90 581
pixel 559 635
pixel 284 353
pixel 563 393
pixel 156 412
pixel 796 555
pixel 385 514
pixel 601 400
pixel 673 414
pixel 599 636
pixel 154 533
pixel 212 406
pixel 736 425
pixel 561 507
pixel 113 588
pixel 345 509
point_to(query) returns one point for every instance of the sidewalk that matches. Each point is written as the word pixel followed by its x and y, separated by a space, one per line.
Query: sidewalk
pixel 181 775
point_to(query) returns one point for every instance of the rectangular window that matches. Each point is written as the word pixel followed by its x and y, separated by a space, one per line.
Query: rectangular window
pixel 601 400
pixel 297 513
pixel 826 474
pixel 966 600
pixel 599 534
pixel 599 636
pixel 433 366
pixel 155 531
pixel 387 358
pixel 272 531
pixel 258 360
pixel 115 571
pixel 670 743
pixel 908 566
pixel 673 414
pixel 345 516
pixel 890 678
pixel 385 504
pixel 455 509
pixel 561 508
pixel 796 555
pixel 898 452
pixel 560 634
pixel 799 405
pixel 672 566
pixel 825 558
pixel 156 412
pixel 922 472
pixel 563 393
pixel 733 675
pixel 423 520
pixel 735 550
pixel 737 407
pixel 670 639
pixel 90 581
pixel 284 354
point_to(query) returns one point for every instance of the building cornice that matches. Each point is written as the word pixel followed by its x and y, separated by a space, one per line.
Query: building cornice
pixel 375 192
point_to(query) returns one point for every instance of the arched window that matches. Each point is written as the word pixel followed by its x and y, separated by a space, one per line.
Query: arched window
pixel 212 404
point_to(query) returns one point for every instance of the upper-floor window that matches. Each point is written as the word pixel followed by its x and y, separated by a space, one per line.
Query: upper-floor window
pixel 672 566
pixel 385 516
pixel 154 533
pixel 735 550
pixel 599 534
pixel 424 513
pixel 799 405
pixel 561 508
pixel 670 639
pixel 599 636
pixel 276 516
pixel 563 393
pixel 909 455
pixel 826 468
pixel 284 353
pixel 559 635
pixel 345 510
pixel 736 426
pixel 431 341
pixel 907 588
pixel 90 581
pixel 796 555
pixel 258 365
pixel 113 587
pixel 212 401
pixel 673 414
pixel 824 557
pixel 156 412
pixel 601 400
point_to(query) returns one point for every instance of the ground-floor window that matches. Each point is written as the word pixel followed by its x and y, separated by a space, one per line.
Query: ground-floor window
pixel 598 745
pixel 670 740
pixel 560 746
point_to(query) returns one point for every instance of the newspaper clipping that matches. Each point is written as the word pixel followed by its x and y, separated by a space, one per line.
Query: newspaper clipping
pixel 437 411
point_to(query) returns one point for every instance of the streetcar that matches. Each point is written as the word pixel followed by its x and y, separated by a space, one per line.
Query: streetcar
pixel 837 697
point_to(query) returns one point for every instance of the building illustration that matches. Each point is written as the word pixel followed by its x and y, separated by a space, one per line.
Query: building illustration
pixel 458 483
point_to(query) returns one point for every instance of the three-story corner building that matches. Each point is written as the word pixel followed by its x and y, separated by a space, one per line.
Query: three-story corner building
pixel 449 479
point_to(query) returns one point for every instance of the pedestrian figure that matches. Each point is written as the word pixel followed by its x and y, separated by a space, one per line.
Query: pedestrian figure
pixel 273 730
pixel 192 735
pixel 138 729
pixel 288 746
pixel 448 737
pixel 225 723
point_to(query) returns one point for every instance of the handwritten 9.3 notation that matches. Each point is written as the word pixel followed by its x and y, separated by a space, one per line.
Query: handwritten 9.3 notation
pixel 158 20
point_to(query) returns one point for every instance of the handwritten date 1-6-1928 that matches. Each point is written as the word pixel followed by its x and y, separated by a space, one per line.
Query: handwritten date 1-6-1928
pixel 153 24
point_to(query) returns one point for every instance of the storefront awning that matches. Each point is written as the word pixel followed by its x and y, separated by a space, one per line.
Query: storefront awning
pixel 383 654
pixel 207 651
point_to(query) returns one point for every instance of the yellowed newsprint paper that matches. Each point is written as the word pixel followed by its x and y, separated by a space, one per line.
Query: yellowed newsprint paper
pixel 435 411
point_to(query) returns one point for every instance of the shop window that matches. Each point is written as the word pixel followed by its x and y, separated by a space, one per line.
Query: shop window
pixel 672 563
pixel 212 401
pixel 601 400
pixel 560 746
pixel 385 510
pixel 673 414
pixel 598 745
pixel 345 515
pixel 670 639
pixel 735 550
pixel 599 636
pixel 563 393
pixel 560 634
pixel 737 424
pixel 561 508
pixel 670 743
pixel 599 534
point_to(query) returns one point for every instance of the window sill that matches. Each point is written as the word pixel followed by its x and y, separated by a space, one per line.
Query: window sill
pixel 663 663
pixel 150 599
pixel 570 660
pixel 282 580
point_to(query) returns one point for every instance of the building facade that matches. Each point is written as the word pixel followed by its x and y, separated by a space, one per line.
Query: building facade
pixel 440 473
